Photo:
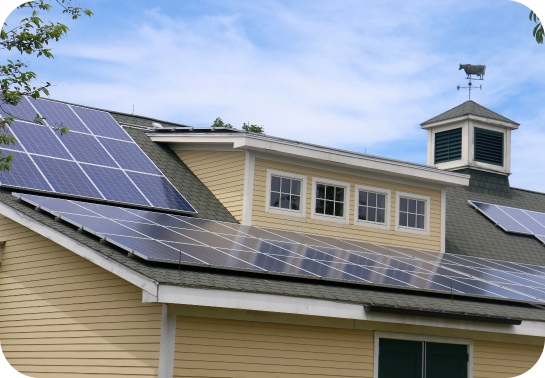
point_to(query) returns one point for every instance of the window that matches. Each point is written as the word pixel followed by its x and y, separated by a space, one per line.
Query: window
pixel 286 193
pixel 407 358
pixel 448 145
pixel 372 207
pixel 330 200
pixel 413 213
pixel 488 146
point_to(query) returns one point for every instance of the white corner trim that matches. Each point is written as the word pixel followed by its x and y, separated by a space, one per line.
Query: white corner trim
pixel 248 196
pixel 387 211
pixel 120 270
pixel 303 208
pixel 168 342
pixel 346 208
pixel 318 307
pixel 426 230
pixel 443 219
pixel 427 338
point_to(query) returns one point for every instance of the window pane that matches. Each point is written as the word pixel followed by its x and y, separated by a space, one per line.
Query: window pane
pixel 295 202
pixel 363 198
pixel 420 221
pixel 380 215
pixel 285 202
pixel 275 183
pixel 339 207
pixel 403 219
pixel 371 214
pixel 381 201
pixel 412 206
pixel 420 206
pixel 403 204
pixel 295 187
pixel 339 194
pixel 330 192
pixel 275 199
pixel 329 207
pixel 286 185
pixel 362 213
pixel 372 199
pixel 320 191
pixel 320 206
pixel 412 220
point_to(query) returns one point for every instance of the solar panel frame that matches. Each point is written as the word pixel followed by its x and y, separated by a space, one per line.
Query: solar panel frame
pixel 286 257
pixel 160 192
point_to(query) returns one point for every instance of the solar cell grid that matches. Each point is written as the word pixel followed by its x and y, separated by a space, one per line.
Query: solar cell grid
pixel 24 170
pixel 96 139
pixel 211 243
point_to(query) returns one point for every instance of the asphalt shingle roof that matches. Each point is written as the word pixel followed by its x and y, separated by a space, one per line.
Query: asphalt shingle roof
pixel 280 285
pixel 467 108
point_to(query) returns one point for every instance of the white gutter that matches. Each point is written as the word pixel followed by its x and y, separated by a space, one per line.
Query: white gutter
pixel 170 294
pixel 145 283
pixel 257 142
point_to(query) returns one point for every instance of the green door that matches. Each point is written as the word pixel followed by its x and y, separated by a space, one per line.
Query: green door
pixel 400 358
pixel 446 360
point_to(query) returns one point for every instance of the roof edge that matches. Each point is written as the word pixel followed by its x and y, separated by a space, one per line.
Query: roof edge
pixel 512 126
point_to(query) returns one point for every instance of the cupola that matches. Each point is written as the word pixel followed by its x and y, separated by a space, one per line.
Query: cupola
pixel 470 136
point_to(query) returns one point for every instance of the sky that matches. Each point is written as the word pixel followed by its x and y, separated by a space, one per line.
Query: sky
pixel 357 75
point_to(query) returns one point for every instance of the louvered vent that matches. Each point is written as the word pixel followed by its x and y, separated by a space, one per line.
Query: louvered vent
pixel 448 145
pixel 488 146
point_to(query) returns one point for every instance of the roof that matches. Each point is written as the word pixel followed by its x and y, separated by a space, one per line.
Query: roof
pixel 469 107
pixel 468 232
pixel 213 278
pixel 308 151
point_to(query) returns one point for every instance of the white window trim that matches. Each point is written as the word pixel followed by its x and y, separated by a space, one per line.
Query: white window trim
pixel 387 210
pixel 426 230
pixel 331 218
pixel 294 213
pixel 426 338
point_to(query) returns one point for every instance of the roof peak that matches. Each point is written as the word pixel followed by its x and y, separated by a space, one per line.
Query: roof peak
pixel 466 108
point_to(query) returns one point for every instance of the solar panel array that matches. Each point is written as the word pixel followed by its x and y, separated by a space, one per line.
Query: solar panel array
pixel 95 159
pixel 515 220
pixel 191 241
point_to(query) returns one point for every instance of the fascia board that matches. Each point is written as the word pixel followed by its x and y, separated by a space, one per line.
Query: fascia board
pixel 145 283
pixel 509 125
pixel 311 152
pixel 171 294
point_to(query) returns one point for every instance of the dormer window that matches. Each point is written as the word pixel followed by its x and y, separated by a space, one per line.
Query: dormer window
pixel 330 200
pixel 286 193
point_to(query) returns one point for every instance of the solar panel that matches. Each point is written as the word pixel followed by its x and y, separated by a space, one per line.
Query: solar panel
pixel 511 219
pixel 178 239
pixel 96 159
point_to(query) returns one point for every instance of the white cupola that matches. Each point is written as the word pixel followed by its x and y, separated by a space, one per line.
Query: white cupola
pixel 470 136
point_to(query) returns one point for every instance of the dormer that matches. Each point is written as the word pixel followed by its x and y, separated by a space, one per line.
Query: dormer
pixel 470 136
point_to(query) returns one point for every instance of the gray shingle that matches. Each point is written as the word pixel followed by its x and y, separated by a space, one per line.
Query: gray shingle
pixel 467 108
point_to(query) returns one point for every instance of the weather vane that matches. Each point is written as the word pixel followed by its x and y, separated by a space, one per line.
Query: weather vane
pixel 473 70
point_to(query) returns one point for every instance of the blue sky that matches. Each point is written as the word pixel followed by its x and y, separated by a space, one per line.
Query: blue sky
pixel 359 75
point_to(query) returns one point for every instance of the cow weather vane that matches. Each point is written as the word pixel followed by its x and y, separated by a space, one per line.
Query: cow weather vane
pixel 471 70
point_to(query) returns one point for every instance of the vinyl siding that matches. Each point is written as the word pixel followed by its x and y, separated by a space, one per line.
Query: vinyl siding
pixel 222 172
pixel 262 218
pixel 63 316
pixel 503 360
pixel 208 347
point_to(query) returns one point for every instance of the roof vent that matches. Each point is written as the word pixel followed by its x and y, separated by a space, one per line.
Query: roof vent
pixel 156 125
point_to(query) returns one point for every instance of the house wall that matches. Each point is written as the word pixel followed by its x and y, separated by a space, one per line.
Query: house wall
pixel 503 360
pixel 208 347
pixel 222 172
pixel 63 316
pixel 265 219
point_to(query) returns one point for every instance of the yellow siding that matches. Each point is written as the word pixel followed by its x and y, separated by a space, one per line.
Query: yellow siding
pixel 374 235
pixel 503 360
pixel 63 316
pixel 232 348
pixel 222 172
